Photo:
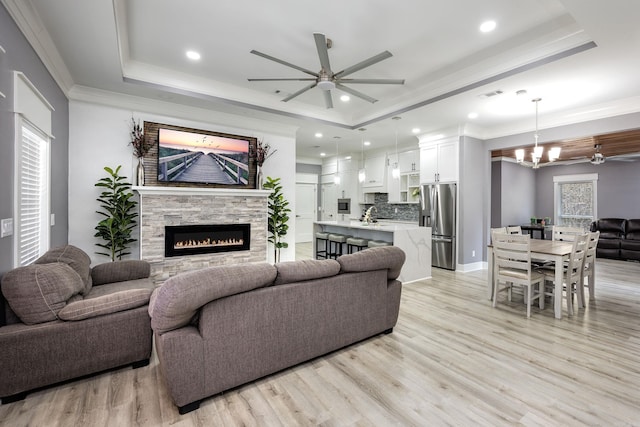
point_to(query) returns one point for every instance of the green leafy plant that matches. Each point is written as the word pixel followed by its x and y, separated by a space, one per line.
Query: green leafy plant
pixel 118 212
pixel 278 216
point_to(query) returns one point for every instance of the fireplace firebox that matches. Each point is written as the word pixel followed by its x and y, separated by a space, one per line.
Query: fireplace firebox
pixel 204 239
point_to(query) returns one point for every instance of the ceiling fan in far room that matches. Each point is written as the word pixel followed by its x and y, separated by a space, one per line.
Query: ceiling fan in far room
pixel 326 79
pixel 598 158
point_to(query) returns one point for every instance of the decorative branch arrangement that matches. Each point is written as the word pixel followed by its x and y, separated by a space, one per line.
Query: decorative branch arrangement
pixel 140 146
pixel 262 152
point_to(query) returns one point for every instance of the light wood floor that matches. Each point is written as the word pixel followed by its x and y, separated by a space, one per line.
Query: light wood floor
pixel 451 360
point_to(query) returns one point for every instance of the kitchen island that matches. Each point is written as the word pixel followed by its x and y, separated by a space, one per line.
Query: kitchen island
pixel 414 240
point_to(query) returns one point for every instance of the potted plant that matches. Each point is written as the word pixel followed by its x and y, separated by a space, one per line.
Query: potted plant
pixel 118 210
pixel 278 216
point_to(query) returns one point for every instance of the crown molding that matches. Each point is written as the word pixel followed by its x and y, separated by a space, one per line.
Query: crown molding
pixel 31 26
pixel 170 109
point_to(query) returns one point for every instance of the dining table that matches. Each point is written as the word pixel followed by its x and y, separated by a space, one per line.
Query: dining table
pixel 548 250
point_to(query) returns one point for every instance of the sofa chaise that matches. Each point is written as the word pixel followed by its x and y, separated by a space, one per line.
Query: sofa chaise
pixel 63 319
pixel 224 326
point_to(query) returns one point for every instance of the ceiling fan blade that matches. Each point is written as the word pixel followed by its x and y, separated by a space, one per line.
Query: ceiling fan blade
pixel 300 92
pixel 356 93
pixel 283 80
pixel 373 81
pixel 364 64
pixel 328 101
pixel 288 64
pixel 323 52
pixel 631 157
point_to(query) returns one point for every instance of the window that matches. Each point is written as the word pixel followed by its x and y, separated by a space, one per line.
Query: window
pixel 33 194
pixel 32 164
pixel 575 199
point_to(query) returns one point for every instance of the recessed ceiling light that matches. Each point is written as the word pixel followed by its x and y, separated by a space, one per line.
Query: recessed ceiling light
pixel 323 154
pixel 488 26
pixel 192 54
pixel 472 115
pixel 415 130
pixel 367 143
pixel 345 98
pixel 348 158
pixel 318 135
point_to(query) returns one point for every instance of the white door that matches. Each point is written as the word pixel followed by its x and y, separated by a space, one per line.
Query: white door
pixel 329 201
pixel 306 196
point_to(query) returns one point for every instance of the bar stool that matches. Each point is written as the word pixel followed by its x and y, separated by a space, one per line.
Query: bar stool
pixel 335 244
pixel 377 243
pixel 322 238
pixel 357 243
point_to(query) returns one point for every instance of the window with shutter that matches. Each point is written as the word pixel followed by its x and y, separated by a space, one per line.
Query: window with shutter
pixel 32 165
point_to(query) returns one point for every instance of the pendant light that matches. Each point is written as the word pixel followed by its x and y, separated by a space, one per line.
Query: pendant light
pixel 362 175
pixel 395 172
pixel 336 179
pixel 536 155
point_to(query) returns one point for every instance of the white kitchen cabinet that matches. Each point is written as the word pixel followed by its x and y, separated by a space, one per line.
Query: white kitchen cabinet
pixel 376 174
pixel 439 162
pixel 409 161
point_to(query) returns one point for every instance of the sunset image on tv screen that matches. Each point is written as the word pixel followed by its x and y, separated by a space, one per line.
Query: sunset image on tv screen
pixel 201 158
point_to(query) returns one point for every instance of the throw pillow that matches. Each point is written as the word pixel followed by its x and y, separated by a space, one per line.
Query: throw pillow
pixel 36 293
pixel 75 257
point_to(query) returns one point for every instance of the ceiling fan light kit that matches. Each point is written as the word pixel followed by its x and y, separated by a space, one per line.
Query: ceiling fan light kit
pixel 326 79
pixel 597 158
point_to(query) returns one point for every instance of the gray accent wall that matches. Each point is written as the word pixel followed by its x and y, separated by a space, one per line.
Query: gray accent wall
pixel 20 56
pixel 618 187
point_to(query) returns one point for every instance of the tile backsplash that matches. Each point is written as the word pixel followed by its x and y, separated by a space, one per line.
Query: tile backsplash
pixel 405 211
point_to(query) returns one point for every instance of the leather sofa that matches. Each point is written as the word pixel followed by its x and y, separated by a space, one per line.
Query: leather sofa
pixel 63 320
pixel 619 238
pixel 224 326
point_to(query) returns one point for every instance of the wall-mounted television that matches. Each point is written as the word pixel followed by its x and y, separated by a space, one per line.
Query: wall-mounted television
pixel 204 157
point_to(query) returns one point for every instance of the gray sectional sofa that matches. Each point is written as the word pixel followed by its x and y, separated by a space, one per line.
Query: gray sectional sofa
pixel 63 319
pixel 221 327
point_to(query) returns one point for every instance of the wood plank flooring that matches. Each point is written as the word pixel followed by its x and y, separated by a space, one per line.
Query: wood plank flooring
pixel 451 360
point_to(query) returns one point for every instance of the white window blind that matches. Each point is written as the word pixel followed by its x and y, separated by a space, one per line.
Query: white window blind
pixel 33 197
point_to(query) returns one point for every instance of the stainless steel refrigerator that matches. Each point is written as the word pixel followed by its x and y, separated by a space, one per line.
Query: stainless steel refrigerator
pixel 438 211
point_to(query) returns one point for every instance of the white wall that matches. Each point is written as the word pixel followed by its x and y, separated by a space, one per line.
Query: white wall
pixel 99 137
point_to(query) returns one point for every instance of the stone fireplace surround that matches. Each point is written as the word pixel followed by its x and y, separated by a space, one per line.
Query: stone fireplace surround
pixel 170 206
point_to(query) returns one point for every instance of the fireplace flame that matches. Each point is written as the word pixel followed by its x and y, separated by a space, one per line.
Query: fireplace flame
pixel 207 243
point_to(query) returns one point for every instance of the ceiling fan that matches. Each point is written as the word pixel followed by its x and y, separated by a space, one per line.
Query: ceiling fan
pixel 598 158
pixel 326 79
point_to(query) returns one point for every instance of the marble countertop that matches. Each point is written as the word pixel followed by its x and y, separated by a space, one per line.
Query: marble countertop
pixel 389 226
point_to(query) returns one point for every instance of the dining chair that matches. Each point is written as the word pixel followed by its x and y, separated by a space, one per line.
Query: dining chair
pixel 565 233
pixel 589 270
pixel 512 266
pixel 501 230
pixel 561 233
pixel 514 229
pixel 571 274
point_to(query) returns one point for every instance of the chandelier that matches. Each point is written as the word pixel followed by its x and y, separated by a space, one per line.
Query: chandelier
pixel 536 154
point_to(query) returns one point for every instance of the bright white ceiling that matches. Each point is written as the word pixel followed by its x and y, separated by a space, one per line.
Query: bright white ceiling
pixel 579 56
